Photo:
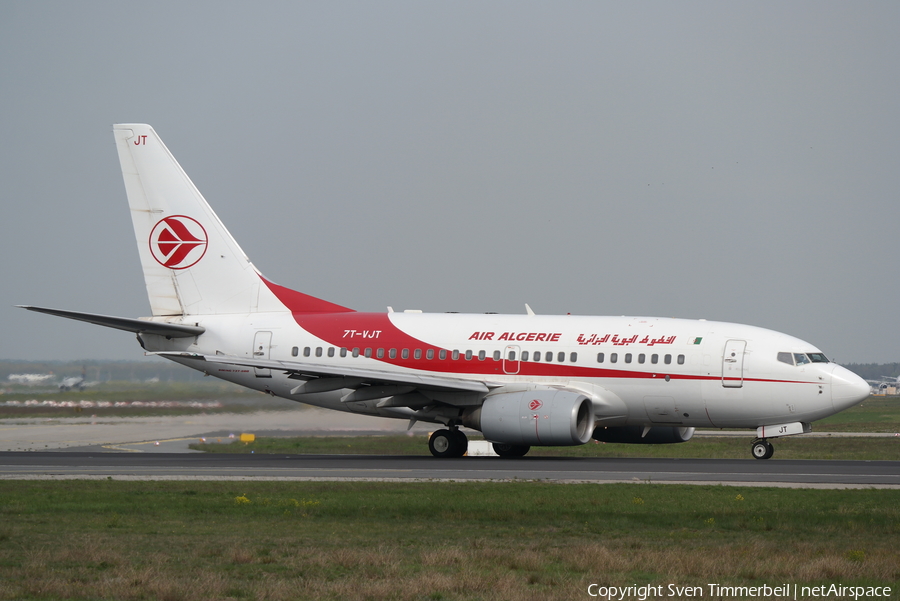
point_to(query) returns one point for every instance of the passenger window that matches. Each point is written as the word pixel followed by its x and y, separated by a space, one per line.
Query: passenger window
pixel 442 355
pixel 318 351
pixel 654 359
pixel 379 354
pixel 404 354
pixel 306 351
pixel 468 355
pixel 613 357
pixel 497 355
pixel 627 357
pixel 429 354
pixel 481 355
pixel 524 355
pixel 599 357
pixel 343 351
pixel 668 359
pixel 454 355
pixel 801 359
pixel 537 355
pixel 367 353
pixel 331 351
pixel 295 351
pixel 573 357
pixel 417 354
pixel 641 358
pixel 355 352
pixel 511 356
pixel 561 357
pixel 548 356
pixel 680 359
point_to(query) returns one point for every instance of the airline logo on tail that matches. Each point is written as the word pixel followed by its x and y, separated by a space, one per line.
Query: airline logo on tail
pixel 178 242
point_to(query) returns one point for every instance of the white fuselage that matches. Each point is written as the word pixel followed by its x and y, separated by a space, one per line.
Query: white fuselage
pixel 649 371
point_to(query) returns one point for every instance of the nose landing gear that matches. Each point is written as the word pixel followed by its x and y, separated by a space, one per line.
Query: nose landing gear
pixel 762 449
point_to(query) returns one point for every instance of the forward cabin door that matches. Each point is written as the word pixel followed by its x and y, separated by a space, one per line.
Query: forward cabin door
pixel 262 342
pixel 733 364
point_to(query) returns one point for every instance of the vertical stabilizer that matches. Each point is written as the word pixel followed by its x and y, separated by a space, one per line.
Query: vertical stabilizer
pixel 192 265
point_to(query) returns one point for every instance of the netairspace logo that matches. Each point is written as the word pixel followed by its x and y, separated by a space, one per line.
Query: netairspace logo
pixel 718 591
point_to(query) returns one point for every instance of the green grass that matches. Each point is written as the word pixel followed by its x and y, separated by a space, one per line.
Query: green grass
pixel 277 540
pixel 875 414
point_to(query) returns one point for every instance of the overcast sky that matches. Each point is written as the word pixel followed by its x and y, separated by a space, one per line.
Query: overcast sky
pixel 728 161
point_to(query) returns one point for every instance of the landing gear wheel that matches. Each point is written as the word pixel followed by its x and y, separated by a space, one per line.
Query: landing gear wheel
pixel 462 443
pixel 510 450
pixel 762 449
pixel 448 443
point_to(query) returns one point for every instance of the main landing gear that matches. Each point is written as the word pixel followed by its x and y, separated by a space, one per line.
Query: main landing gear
pixel 762 449
pixel 448 443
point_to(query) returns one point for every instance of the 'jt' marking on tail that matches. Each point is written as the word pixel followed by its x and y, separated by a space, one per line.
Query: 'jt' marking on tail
pixel 178 242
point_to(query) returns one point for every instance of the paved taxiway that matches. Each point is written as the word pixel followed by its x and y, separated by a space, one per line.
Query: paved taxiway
pixel 156 448
pixel 167 466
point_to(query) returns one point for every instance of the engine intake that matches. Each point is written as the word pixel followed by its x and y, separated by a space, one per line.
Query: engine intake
pixel 543 417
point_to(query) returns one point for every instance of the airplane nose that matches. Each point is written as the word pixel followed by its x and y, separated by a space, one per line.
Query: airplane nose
pixel 847 389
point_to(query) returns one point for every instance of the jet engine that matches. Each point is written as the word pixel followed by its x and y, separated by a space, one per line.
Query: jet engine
pixel 635 434
pixel 541 417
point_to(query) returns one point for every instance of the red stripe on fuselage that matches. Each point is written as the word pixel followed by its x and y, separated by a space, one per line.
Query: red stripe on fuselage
pixel 345 328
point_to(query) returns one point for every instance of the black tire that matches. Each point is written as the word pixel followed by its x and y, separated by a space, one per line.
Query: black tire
pixel 510 450
pixel 462 443
pixel 762 449
pixel 443 443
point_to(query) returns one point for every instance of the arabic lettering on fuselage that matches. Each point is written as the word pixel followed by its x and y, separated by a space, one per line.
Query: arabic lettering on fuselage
pixel 616 340
pixel 518 336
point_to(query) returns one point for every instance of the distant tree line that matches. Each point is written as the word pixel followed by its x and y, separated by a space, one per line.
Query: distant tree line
pixel 874 371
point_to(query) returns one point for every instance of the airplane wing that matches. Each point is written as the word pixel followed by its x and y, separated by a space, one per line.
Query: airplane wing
pixel 405 389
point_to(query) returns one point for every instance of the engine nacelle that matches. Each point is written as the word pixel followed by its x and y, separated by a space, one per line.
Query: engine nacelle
pixel 633 434
pixel 543 417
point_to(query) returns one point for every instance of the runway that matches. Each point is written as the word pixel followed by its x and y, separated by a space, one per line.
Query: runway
pixel 180 466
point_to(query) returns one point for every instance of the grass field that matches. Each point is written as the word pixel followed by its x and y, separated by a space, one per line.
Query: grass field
pixel 271 540
pixel 875 414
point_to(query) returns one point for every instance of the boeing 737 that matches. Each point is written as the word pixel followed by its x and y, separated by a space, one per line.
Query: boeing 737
pixel 521 380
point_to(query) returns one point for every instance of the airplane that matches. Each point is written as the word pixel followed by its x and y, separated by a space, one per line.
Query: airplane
pixel 521 380
pixel 74 382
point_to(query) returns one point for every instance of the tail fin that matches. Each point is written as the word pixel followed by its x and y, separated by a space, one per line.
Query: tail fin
pixel 192 265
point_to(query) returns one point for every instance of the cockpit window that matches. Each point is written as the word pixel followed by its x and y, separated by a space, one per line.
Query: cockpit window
pixel 801 359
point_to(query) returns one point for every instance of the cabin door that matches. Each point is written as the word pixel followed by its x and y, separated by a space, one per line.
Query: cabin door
pixel 262 342
pixel 733 364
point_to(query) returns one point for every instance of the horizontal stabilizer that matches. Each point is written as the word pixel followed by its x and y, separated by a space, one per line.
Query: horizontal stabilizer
pixel 138 326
